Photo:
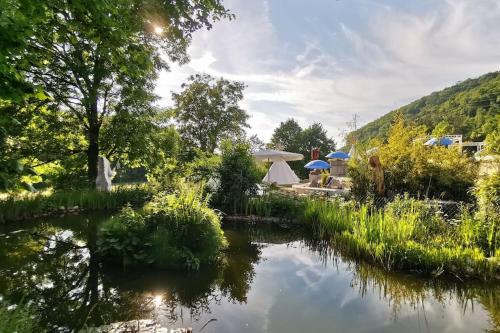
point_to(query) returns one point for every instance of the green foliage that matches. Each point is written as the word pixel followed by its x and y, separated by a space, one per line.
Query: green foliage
pixel 470 108
pixel 411 167
pixel 203 167
pixel 174 231
pixel 275 205
pixel 96 62
pixel 28 206
pixel 123 238
pixel 207 111
pixel 19 319
pixel 408 234
pixel 238 176
pixel 289 136
pixel 487 193
pixel 18 19
pixel 492 142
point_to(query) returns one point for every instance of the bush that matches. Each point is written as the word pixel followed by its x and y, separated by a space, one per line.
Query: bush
pixel 238 177
pixel 176 231
pixel 185 222
pixel 411 167
pixel 18 319
pixel 125 238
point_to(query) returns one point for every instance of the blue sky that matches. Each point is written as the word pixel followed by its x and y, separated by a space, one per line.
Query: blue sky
pixel 326 60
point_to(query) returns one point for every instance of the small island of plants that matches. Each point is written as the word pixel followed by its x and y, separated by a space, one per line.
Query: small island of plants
pixel 175 231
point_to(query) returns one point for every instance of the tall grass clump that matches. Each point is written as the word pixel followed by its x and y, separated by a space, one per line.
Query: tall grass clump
pixel 275 205
pixel 487 192
pixel 18 319
pixel 33 205
pixel 407 234
pixel 174 231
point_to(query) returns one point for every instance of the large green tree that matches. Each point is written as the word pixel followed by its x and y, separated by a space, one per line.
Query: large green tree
pixel 98 59
pixel 208 111
pixel 289 136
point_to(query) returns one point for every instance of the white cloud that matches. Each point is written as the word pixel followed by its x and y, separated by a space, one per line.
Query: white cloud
pixel 397 56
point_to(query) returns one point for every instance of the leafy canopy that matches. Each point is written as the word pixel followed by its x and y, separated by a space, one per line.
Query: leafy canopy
pixel 207 111
pixel 97 59
pixel 289 136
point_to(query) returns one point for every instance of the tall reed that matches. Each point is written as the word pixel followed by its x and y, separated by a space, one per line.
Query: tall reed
pixel 32 205
pixel 407 234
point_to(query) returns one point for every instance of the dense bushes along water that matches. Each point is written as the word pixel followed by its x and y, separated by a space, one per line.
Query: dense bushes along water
pixel 407 235
pixel 33 205
pixel 177 231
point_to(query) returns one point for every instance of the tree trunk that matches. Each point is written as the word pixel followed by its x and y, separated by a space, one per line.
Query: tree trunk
pixel 93 148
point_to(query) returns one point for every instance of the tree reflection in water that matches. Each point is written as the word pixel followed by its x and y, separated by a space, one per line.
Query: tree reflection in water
pixel 58 270
pixel 55 266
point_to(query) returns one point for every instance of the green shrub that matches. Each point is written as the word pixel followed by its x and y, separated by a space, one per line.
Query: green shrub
pixel 238 176
pixel 175 231
pixel 125 238
pixel 487 192
pixel 186 222
pixel 18 319
pixel 411 167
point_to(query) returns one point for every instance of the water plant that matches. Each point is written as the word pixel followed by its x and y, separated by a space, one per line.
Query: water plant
pixel 177 231
pixel 408 234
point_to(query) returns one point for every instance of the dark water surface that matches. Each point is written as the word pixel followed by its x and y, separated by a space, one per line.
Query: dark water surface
pixel 272 280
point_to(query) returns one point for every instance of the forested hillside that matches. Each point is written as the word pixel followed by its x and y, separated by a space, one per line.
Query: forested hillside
pixel 470 108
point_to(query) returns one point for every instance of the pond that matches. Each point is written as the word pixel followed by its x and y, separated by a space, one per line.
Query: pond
pixel 273 279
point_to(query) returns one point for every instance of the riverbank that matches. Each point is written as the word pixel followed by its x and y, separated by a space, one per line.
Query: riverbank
pixel 407 235
pixel 45 204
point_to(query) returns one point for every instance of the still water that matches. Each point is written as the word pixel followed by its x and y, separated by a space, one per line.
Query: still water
pixel 272 280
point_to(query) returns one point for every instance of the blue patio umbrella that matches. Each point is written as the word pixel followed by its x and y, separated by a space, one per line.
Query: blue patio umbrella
pixel 444 141
pixel 338 154
pixel 317 164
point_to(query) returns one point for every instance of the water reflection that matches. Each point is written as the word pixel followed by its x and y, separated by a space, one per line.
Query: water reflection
pixel 271 280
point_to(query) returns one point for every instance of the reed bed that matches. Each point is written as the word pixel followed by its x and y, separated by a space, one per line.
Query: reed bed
pixel 407 234
pixel 21 207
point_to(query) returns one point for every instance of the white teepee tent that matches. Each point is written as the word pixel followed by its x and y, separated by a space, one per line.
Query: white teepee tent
pixel 281 174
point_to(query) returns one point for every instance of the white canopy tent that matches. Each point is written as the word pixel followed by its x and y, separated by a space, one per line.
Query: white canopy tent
pixel 281 174
pixel 271 155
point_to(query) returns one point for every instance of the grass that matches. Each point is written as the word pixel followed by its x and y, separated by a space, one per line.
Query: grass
pixel 407 234
pixel 30 206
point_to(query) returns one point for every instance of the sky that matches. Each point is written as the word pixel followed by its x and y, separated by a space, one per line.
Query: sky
pixel 327 60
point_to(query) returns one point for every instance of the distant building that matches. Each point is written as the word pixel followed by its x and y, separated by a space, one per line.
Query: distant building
pixel 471 146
